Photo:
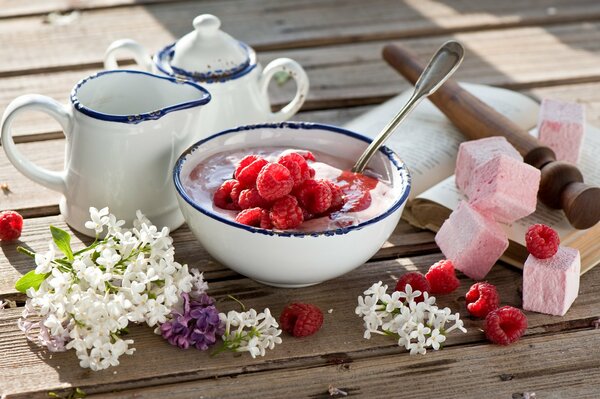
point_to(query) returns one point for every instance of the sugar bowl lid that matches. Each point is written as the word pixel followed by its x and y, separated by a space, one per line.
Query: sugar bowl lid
pixel 208 53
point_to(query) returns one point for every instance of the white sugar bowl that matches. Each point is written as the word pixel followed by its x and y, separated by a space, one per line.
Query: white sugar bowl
pixel 226 67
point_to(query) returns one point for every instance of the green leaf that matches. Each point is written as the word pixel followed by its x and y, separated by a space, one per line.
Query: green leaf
pixel 29 280
pixel 25 251
pixel 62 239
pixel 281 77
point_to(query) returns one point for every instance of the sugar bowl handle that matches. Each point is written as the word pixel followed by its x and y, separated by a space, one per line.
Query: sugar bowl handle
pixel 34 102
pixel 139 53
pixel 297 73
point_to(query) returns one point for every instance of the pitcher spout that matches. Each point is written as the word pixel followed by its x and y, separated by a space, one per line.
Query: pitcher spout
pixel 130 96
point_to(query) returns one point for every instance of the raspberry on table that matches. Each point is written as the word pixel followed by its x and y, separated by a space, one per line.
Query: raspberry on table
pixel 250 217
pixel 417 281
pixel 301 319
pixel 442 277
pixel 481 299
pixel 274 181
pixel 297 166
pixel 248 175
pixel 11 225
pixel 223 197
pixel 542 241
pixel 505 325
pixel 315 196
pixel 286 214
pixel 250 198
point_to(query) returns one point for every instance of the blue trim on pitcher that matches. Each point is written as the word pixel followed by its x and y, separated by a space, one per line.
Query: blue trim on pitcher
pixel 137 118
pixel 162 61
pixel 391 155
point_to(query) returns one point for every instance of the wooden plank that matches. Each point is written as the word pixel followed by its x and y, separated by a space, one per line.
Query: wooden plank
pixel 405 241
pixel 356 75
pixel 462 372
pixel 28 371
pixel 266 25
pixel 18 8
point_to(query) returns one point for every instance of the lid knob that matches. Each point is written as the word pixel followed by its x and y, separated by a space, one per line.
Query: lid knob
pixel 206 24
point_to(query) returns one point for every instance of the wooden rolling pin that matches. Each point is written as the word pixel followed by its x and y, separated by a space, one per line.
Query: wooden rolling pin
pixel 561 185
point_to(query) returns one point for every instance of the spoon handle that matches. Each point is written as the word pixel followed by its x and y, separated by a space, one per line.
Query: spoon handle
pixel 442 65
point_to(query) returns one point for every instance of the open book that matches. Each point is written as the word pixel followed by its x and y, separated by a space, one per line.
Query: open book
pixel 428 143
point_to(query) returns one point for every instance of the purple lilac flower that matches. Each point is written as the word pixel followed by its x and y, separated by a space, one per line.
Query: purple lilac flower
pixel 197 325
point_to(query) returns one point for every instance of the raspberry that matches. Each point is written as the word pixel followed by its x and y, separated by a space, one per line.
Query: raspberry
pixel 11 224
pixel 223 197
pixel 337 197
pixel 308 155
pixel 247 160
pixel 274 181
pixel 442 278
pixel 297 166
pixel 250 217
pixel 286 214
pixel 542 241
pixel 265 220
pixel 315 196
pixel 481 299
pixel 417 281
pixel 301 319
pixel 250 198
pixel 505 325
pixel 247 176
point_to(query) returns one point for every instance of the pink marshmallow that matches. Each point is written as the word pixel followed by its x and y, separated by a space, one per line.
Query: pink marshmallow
pixel 561 127
pixel 551 285
pixel 504 187
pixel 472 241
pixel 472 154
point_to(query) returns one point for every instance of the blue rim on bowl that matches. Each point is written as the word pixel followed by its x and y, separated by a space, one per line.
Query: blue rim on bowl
pixel 395 160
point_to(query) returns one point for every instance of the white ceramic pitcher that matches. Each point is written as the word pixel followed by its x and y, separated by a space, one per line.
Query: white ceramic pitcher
pixel 226 67
pixel 124 130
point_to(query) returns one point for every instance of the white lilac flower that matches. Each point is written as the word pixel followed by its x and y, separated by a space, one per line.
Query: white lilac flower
pixel 44 262
pixel 416 326
pixel 99 219
pixel 255 332
pixel 409 294
pixel 88 300
pixel 435 339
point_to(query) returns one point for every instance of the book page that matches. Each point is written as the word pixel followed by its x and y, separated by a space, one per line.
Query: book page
pixel 447 194
pixel 427 141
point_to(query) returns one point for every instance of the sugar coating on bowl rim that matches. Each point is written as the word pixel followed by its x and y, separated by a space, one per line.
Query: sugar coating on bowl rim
pixel 391 155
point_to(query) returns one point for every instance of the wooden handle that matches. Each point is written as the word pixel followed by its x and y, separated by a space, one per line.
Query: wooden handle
pixel 561 184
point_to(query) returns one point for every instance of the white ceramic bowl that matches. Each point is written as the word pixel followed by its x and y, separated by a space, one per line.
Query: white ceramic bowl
pixel 291 259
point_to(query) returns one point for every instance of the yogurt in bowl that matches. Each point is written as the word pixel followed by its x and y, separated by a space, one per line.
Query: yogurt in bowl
pixel 319 249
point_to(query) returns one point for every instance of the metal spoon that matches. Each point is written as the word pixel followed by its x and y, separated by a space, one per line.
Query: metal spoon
pixel 442 65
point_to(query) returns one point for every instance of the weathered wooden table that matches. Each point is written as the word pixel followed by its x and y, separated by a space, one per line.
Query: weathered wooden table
pixel 548 48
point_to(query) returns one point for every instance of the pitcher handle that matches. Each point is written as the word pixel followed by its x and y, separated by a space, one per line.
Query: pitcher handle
pixel 297 73
pixel 35 102
pixel 140 55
